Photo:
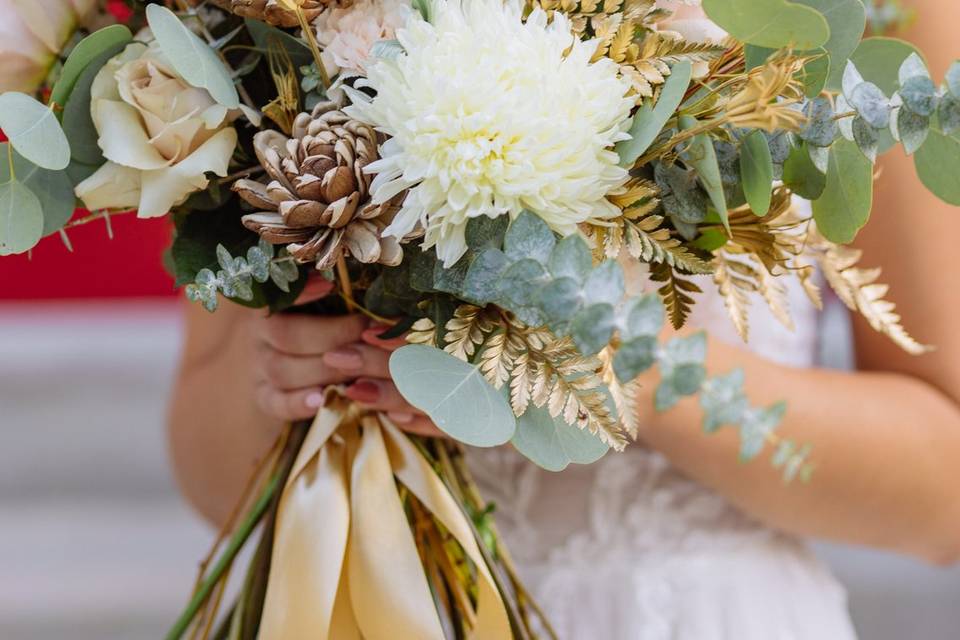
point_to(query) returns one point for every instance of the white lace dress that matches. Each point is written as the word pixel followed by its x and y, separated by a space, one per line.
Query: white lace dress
pixel 630 549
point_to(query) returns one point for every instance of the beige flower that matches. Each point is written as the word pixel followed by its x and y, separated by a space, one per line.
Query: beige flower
pixel 689 21
pixel 348 34
pixel 159 134
pixel 32 33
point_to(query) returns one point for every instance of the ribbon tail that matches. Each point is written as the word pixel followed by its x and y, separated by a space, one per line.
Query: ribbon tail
pixel 309 550
pixel 388 586
pixel 418 476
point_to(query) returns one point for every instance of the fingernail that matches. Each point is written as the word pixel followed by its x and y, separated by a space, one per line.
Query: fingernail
pixel 374 332
pixel 345 358
pixel 401 417
pixel 314 401
pixel 363 391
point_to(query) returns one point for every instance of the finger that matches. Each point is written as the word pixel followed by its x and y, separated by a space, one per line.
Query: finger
pixel 379 394
pixel 317 287
pixel 359 360
pixel 372 337
pixel 311 335
pixel 285 372
pixel 292 405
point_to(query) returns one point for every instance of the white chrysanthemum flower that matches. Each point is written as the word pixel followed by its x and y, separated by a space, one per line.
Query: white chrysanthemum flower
pixel 489 115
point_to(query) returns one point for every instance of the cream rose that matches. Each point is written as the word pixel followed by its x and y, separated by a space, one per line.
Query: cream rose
pixel 32 33
pixel 160 135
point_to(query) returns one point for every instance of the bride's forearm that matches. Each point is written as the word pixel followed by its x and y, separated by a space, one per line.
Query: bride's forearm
pixel 217 433
pixel 886 448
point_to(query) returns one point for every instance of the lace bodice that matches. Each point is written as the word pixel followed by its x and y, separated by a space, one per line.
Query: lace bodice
pixel 629 547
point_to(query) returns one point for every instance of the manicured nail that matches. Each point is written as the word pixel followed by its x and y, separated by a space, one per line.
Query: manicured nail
pixel 314 401
pixel 363 391
pixel 400 417
pixel 374 332
pixel 346 359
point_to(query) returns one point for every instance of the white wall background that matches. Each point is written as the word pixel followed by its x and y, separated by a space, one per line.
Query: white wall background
pixel 95 544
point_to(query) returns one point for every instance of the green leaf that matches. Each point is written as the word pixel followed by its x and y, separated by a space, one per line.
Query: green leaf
pixel 919 95
pixel 650 119
pixel 21 218
pixel 484 232
pixel 847 198
pixel 481 285
pixel 949 114
pixel 529 237
pixel 644 317
pixel 192 57
pixel 871 104
pixel 816 72
pixel 756 426
pixel 560 300
pixel 454 394
pixel 108 40
pixel 802 176
pixel 867 138
pixel 592 328
pixel 770 23
pixel 605 284
pixel 703 158
pixel 552 443
pixel 953 79
pixel 879 60
pixel 847 20
pixel 571 258
pixel 52 188
pixel 34 131
pixel 936 164
pixel 821 128
pixel 910 129
pixel 77 119
pixel 635 356
pixel 267 37
pixel 756 168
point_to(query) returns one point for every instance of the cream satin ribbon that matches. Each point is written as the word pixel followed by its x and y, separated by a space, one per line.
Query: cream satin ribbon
pixel 345 565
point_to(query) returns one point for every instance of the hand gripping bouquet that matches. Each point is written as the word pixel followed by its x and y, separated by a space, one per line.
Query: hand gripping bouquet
pixel 529 193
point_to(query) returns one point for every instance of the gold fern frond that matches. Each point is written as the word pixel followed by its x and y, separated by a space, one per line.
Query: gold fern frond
pixel 859 290
pixel 423 331
pixel 675 293
pixel 625 396
pixel 466 330
pixel 734 290
pixel 648 241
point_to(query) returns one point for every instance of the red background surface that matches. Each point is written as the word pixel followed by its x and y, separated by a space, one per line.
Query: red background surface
pixel 130 265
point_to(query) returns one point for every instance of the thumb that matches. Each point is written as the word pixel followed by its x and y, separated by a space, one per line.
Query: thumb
pixel 317 287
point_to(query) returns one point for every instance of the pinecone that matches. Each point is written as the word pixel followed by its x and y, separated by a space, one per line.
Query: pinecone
pixel 272 11
pixel 318 199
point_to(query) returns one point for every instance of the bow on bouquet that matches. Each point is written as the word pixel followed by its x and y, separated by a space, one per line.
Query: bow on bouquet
pixel 528 192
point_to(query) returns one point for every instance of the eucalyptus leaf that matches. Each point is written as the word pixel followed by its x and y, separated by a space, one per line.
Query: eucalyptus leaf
pixel 936 163
pixel 919 95
pixel 871 104
pixel 703 158
pixel 571 258
pixel 592 328
pixel 553 444
pixel 77 119
pixel 34 131
pixel 912 67
pixel 635 356
pixel 821 128
pixel 948 114
pixel 953 79
pixel 454 394
pixel 879 59
pixel 756 168
pixel 529 237
pixel 802 176
pixel 644 317
pixel 650 119
pixel 107 41
pixel 770 23
pixel 52 188
pixel 267 37
pixel 560 300
pixel 847 198
pixel 21 218
pixel 484 232
pixel 192 58
pixel 847 20
pixel 910 129
pixel 481 285
pixel 866 137
pixel 605 284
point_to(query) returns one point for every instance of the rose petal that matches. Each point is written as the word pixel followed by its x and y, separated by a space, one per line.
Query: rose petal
pixel 112 186
pixel 122 136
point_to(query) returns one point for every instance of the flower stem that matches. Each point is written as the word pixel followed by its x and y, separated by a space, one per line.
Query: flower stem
pixel 346 287
pixel 297 433
pixel 314 47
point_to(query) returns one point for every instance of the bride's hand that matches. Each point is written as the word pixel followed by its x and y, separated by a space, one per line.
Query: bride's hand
pixel 299 355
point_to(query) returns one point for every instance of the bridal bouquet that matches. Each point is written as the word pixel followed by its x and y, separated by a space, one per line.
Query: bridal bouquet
pixel 528 192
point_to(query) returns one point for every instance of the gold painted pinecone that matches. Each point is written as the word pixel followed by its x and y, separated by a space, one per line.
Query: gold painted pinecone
pixel 272 11
pixel 318 199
